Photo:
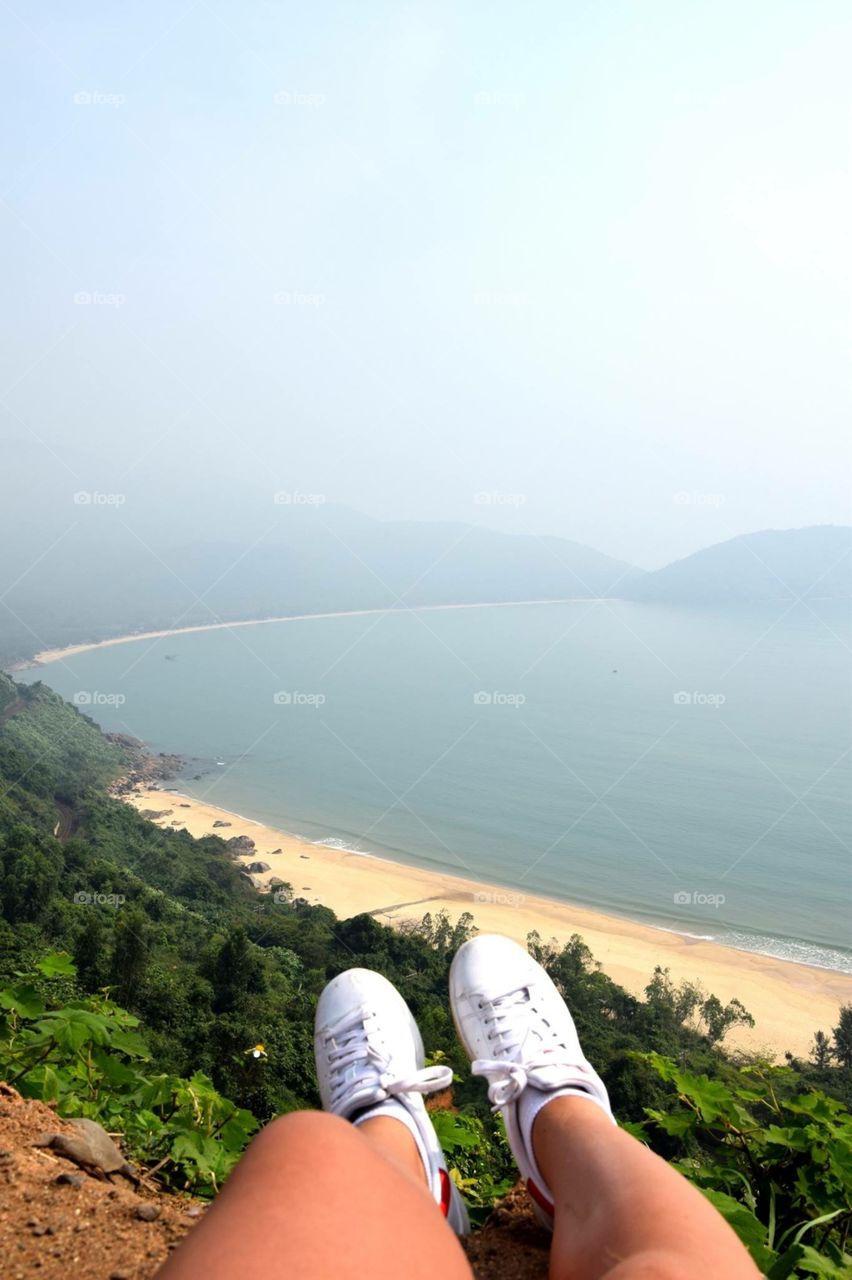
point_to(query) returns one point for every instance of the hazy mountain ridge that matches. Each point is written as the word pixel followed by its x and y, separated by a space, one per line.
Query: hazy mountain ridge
pixel 118 569
pixel 771 565
pixel 111 573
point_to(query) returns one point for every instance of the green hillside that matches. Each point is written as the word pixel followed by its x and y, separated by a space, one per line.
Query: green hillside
pixel 139 969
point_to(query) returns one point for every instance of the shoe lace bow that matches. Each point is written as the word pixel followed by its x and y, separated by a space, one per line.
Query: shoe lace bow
pixel 349 1044
pixel 508 1018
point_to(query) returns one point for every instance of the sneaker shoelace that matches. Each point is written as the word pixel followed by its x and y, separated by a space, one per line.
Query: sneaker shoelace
pixel 508 1016
pixel 348 1043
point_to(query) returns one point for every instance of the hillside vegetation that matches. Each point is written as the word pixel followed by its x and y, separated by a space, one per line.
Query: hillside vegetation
pixel 145 982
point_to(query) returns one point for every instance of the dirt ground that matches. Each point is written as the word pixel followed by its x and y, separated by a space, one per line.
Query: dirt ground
pixel 511 1245
pixel 60 1223
pixel 56 1221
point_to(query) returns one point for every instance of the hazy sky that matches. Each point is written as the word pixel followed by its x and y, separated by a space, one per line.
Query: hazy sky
pixel 588 259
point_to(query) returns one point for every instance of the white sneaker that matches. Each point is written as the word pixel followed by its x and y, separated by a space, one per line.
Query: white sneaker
pixel 369 1057
pixel 516 1028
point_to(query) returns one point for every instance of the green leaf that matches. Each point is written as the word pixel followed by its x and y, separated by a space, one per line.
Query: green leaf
pixel 818 1105
pixel 795 1139
pixel 711 1097
pixel 24 1001
pixel 129 1042
pixel 57 964
pixel 816 1264
pixel 42 1083
pixel 814 1222
pixel 71 1028
pixel 115 1073
pixel 454 1131
pixel 748 1227
pixel 676 1123
pixel 635 1128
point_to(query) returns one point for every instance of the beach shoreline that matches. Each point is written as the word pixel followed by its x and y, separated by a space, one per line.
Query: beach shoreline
pixel 789 1000
pixel 45 656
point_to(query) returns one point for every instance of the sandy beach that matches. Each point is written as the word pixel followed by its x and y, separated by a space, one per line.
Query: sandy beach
pixel 46 656
pixel 788 1001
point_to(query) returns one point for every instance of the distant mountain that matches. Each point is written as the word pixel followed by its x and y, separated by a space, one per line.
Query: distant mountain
pixel 88 553
pixel 109 570
pixel 775 564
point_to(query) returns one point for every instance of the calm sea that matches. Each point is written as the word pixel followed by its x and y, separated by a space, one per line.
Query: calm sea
pixel 689 769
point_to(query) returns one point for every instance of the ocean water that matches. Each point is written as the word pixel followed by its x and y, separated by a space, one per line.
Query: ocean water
pixel 685 768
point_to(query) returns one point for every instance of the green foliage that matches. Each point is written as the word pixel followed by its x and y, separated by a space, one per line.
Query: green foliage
pixel 64 750
pixel 87 1058
pixel 842 1049
pixel 686 1002
pixel 166 935
pixel 478 1158
pixel 821 1053
pixel 775 1162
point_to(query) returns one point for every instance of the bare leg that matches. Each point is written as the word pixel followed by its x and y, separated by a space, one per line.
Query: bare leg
pixel 622 1212
pixel 396 1144
pixel 313 1198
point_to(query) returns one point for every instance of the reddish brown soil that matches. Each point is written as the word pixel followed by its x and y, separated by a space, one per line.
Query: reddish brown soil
pixel 86 1228
pixel 89 1231
pixel 511 1245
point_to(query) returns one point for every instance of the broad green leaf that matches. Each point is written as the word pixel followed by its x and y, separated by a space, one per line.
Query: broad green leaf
pixel 676 1123
pixel 635 1128
pixel 453 1131
pixel 24 1001
pixel 748 1227
pixel 129 1042
pixel 43 1083
pixel 57 964
pixel 812 1263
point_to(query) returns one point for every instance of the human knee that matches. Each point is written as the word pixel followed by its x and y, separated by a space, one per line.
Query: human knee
pixel 660 1265
pixel 298 1128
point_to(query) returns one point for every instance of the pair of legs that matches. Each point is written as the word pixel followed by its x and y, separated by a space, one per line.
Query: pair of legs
pixel 364 1193
pixel 364 1209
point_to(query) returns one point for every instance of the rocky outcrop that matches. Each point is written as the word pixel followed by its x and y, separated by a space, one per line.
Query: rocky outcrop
pixel 240 846
pixel 143 766
pixel 90 1146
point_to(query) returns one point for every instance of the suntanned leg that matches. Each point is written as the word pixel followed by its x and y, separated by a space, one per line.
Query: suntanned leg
pixel 396 1144
pixel 620 1211
pixel 617 1210
pixel 315 1198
